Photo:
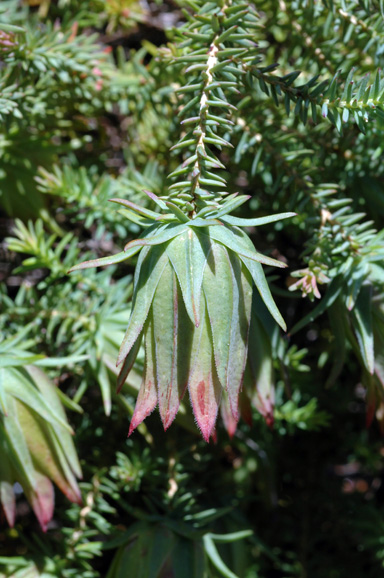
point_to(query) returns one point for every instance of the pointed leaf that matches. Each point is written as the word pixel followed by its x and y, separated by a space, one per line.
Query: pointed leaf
pixel 200 222
pixel 147 398
pixel 51 395
pixel 188 254
pixel 362 324
pixel 219 294
pixel 204 386
pixel 215 558
pixel 136 208
pixel 136 218
pixel 182 217
pixel 44 456
pixel 261 283
pixel 236 240
pixel 110 260
pixel 242 303
pixel 231 205
pixel 18 360
pixel 128 363
pixel 166 233
pixel 20 387
pixel 42 499
pixel 256 222
pixel 11 28
pixel 150 272
pixel 19 456
pixel 105 385
pixel 228 292
pixel 157 200
pixel 167 304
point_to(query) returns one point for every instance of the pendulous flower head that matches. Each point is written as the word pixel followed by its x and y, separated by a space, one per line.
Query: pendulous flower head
pixel 192 306
pixel 36 444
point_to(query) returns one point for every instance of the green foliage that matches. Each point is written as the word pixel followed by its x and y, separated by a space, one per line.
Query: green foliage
pixel 35 437
pixel 232 137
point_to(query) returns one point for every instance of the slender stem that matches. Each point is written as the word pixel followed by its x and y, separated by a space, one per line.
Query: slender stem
pixel 200 131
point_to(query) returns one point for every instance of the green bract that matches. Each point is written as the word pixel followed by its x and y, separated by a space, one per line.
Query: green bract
pixel 192 304
pixel 35 442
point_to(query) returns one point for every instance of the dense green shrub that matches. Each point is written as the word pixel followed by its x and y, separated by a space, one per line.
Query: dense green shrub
pixel 235 137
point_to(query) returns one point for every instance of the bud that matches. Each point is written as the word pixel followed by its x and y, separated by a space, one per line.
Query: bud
pixel 35 443
pixel 192 305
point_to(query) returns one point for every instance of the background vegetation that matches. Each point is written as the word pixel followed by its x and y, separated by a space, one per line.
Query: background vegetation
pixel 88 109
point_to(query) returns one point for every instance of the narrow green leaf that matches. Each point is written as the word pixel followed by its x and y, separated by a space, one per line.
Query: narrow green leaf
pixel 237 241
pixel 17 361
pixel 110 260
pixel 228 292
pixel 60 361
pixel 362 325
pixel 256 222
pixel 188 254
pixel 362 87
pixel 231 537
pixel 53 397
pixel 287 104
pixel 11 28
pixel 18 386
pixel 348 82
pixel 136 208
pixel 376 86
pixel 151 270
pixel 167 232
pixel 157 200
pixel 17 444
pixel 105 386
pixel 68 402
pixel 182 217
pixel 201 222
pixel 147 398
pixel 231 205
pixel 136 218
pixel 215 558
pixel 331 91
pixel 219 294
pixel 128 363
pixel 261 283
pixel 204 386
pixel 171 383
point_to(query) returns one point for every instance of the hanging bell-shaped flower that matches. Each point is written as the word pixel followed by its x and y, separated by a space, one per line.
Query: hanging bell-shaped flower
pixel 36 446
pixel 192 305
